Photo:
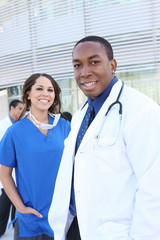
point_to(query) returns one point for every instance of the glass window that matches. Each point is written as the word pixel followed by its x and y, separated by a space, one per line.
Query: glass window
pixel 146 82
pixel 21 88
pixel 67 101
pixel 13 91
pixel 81 98
pixel 68 98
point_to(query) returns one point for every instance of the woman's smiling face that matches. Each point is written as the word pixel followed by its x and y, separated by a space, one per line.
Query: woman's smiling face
pixel 42 94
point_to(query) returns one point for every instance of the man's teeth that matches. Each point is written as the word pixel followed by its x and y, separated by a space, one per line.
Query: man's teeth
pixel 89 84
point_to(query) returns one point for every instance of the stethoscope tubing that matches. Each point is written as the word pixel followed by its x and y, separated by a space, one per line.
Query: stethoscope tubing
pixel 96 137
pixel 116 102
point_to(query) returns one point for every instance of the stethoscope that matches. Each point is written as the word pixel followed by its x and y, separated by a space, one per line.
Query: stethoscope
pixel 117 102
pixel 112 140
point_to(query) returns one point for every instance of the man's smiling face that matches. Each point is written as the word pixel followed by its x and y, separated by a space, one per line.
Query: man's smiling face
pixel 93 70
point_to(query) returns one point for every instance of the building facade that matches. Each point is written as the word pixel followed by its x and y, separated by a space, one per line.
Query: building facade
pixel 39 35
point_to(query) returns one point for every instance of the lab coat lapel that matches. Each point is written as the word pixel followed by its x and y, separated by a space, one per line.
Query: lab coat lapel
pixel 95 124
pixel 59 208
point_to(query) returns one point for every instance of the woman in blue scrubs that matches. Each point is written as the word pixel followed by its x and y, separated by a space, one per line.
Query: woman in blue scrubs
pixel 34 147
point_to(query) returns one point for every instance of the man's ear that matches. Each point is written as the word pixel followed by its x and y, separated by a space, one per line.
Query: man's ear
pixel 113 65
pixel 11 108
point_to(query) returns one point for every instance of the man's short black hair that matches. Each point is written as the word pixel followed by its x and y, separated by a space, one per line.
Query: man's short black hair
pixel 14 103
pixel 100 40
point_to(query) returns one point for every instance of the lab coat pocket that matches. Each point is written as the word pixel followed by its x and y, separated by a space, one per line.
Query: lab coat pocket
pixel 108 144
pixel 109 130
pixel 114 231
pixel 107 158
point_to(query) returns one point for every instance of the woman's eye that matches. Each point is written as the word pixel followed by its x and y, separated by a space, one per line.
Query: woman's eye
pixel 50 90
pixel 40 89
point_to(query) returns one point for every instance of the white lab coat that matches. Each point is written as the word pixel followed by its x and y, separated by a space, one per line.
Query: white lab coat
pixel 4 125
pixel 116 176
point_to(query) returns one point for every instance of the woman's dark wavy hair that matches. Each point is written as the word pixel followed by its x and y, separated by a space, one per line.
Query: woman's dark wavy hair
pixel 56 106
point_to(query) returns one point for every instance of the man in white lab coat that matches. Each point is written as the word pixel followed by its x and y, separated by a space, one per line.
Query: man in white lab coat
pixel 15 109
pixel 116 167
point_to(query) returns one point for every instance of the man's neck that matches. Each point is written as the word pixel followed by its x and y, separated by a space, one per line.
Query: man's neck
pixel 12 119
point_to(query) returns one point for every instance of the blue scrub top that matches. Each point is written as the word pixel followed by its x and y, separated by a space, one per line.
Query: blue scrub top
pixel 36 159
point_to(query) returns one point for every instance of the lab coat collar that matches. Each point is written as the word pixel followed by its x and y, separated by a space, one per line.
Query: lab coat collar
pixel 91 130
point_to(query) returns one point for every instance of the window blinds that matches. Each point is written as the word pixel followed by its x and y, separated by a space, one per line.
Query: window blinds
pixel 39 35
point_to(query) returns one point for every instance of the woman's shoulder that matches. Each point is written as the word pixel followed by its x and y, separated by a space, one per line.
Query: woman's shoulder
pixel 17 125
pixel 64 122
